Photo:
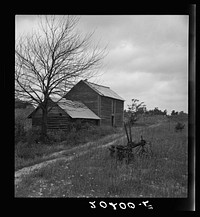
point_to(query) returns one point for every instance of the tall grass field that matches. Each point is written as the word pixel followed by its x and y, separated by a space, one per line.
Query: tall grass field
pixel 96 174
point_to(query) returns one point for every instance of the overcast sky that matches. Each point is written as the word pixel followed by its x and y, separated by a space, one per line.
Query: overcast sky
pixel 147 56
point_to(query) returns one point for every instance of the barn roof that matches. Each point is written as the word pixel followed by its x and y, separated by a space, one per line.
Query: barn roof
pixel 103 90
pixel 76 109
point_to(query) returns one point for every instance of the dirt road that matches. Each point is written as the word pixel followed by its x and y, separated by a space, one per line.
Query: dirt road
pixel 64 156
pixel 59 156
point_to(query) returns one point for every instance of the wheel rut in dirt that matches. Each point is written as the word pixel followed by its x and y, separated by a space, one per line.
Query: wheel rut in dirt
pixel 64 156
pixel 60 156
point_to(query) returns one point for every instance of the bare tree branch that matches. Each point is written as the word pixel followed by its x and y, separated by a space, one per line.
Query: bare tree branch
pixel 49 61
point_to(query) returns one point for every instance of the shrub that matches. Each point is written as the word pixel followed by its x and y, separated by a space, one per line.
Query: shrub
pixel 179 127
pixel 33 135
pixel 26 150
pixel 80 134
pixel 57 135
pixel 80 125
pixel 105 130
pixel 77 132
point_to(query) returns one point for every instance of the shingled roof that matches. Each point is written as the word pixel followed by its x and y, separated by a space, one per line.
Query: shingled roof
pixel 103 90
pixel 76 109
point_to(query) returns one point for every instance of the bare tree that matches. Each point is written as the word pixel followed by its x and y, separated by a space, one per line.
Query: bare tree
pixel 50 61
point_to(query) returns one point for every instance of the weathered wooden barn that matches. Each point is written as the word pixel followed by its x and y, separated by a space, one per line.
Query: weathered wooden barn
pixel 62 112
pixel 103 101
pixel 87 102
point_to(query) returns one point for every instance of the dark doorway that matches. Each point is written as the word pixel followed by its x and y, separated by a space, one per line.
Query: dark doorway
pixel 112 120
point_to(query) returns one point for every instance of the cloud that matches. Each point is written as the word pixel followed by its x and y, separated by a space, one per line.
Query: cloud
pixel 144 30
pixel 147 59
pixel 25 24
pixel 164 64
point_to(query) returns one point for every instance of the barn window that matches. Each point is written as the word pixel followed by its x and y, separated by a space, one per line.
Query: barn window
pixel 60 114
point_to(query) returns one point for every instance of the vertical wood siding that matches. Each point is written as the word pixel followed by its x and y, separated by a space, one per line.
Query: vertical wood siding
pixel 81 92
pixel 112 107
pixel 106 110
pixel 119 113
pixel 100 105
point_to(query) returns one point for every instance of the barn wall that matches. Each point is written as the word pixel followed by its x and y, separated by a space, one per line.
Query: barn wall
pixel 111 107
pixel 106 111
pixel 119 113
pixel 61 123
pixel 81 92
pixel 52 122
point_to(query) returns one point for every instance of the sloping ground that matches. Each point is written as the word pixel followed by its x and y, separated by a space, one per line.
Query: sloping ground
pixel 89 171
pixel 65 155
pixel 70 154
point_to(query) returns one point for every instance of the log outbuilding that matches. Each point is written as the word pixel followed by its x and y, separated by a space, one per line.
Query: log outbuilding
pixel 62 112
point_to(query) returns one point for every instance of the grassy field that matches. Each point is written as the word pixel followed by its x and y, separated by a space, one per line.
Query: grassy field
pixel 29 153
pixel 96 174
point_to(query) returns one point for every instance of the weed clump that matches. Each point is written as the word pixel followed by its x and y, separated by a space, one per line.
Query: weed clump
pixel 179 127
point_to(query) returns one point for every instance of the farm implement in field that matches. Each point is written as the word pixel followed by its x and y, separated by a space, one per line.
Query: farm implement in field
pixel 142 148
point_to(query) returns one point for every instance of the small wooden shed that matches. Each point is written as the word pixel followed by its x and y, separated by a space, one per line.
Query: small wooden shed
pixel 103 101
pixel 62 112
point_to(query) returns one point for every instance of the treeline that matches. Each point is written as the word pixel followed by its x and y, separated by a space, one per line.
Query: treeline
pixel 178 113
pixel 143 110
pixel 137 108
pixel 155 111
